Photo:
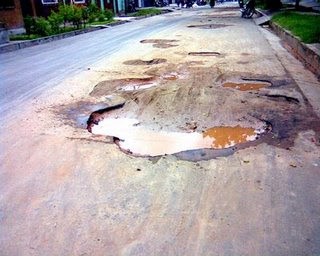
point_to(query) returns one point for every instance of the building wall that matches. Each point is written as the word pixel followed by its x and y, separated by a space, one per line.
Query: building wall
pixel 12 17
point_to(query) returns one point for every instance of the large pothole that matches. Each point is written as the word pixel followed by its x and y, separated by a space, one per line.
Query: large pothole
pixel 135 139
pixel 195 106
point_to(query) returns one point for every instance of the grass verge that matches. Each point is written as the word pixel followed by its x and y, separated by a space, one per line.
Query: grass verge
pixel 106 22
pixel 22 37
pixel 303 25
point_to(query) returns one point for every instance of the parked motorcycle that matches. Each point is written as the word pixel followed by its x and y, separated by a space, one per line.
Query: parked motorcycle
pixel 161 3
pixel 132 6
pixel 248 9
pixel 201 2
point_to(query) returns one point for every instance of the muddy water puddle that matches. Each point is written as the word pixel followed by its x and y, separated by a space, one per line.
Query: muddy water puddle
pixel 135 139
pixel 246 86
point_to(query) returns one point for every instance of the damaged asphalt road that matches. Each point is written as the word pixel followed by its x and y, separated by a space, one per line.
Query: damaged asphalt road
pixel 203 140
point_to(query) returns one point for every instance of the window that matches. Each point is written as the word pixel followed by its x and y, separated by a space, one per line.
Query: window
pixel 6 4
pixel 49 1
pixel 79 1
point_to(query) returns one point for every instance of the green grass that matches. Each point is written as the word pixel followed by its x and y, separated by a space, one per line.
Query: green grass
pixel 148 11
pixel 303 25
pixel 102 22
pixel 23 37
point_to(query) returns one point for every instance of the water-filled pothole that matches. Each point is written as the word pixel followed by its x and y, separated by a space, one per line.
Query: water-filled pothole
pixel 145 62
pixel 208 26
pixel 247 85
pixel 135 139
pixel 204 53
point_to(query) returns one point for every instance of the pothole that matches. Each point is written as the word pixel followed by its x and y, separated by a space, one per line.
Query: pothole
pixel 247 85
pixel 127 84
pixel 170 76
pixel 204 53
pixel 81 113
pixel 160 43
pixel 145 62
pixel 136 87
pixel 97 116
pixel 278 97
pixel 208 26
pixel 135 139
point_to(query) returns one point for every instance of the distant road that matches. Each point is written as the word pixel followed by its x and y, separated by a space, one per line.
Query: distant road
pixel 26 73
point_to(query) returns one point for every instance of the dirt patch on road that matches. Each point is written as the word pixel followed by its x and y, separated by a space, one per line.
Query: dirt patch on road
pixel 160 43
pixel 208 26
pixel 145 62
pixel 204 53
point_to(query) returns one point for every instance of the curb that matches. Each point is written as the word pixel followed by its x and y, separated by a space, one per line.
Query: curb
pixel 307 55
pixel 28 43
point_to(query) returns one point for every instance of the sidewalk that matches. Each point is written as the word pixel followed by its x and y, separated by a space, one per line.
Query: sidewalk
pixel 310 4
pixel 308 54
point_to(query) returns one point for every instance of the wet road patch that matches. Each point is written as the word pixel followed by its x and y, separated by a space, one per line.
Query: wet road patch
pixel 145 62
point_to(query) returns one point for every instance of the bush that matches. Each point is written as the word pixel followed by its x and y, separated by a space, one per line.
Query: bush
pixel 101 17
pixel 92 12
pixel 108 14
pixel 76 16
pixel 55 20
pixel 93 9
pixel 42 27
pixel 28 24
pixel 66 11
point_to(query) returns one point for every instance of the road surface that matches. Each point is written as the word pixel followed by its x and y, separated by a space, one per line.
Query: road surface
pixel 202 80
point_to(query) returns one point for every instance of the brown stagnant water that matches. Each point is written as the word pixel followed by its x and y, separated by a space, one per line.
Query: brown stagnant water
pixel 246 86
pixel 138 140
